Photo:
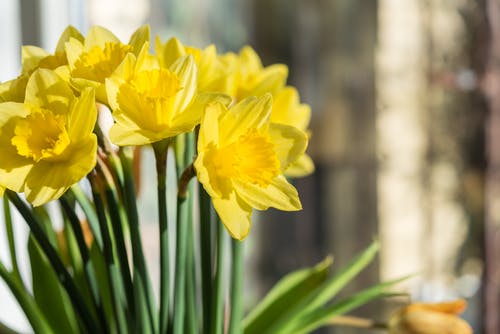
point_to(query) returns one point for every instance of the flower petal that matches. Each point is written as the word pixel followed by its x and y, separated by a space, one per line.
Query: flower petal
pixel 290 143
pixel 138 38
pixel 280 194
pixel 74 49
pixel 31 57
pixel 303 166
pixel 99 36
pixel 82 116
pixel 67 34
pixel 271 80
pixel 250 113
pixel 185 68
pixel 235 215
pixel 13 167
pixel 209 130
pixel 47 90
pixel 169 52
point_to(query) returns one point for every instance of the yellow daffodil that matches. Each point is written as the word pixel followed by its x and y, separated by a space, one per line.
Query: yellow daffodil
pixel 94 60
pixel 426 318
pixel 34 57
pixel 241 159
pixel 212 75
pixel 151 103
pixel 288 110
pixel 249 77
pixel 46 143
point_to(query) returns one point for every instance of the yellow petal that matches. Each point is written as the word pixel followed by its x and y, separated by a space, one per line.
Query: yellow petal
pixel 125 132
pixel 14 90
pixel 203 176
pixel 288 110
pixel 280 194
pixel 169 52
pixel 9 110
pixel 235 215
pixel 74 49
pixel 82 116
pixel 13 167
pixel 123 73
pixel 271 80
pixel 251 113
pixel 302 167
pixel 185 69
pixel 99 36
pixel 209 130
pixel 47 90
pixel 290 143
pixel 100 89
pixel 139 38
pixel 2 190
pixel 31 57
pixel 48 180
pixel 250 59
pixel 146 61
pixel 67 34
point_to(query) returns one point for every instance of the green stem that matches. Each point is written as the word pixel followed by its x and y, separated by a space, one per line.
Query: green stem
pixel 10 237
pixel 191 315
pixel 206 245
pixel 89 211
pixel 138 258
pixel 236 287
pixel 180 264
pixel 113 277
pixel 121 248
pixel 26 301
pixel 161 150
pixel 90 278
pixel 217 314
pixel 64 277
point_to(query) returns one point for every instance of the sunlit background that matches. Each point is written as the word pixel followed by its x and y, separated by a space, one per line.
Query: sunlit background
pixel 405 132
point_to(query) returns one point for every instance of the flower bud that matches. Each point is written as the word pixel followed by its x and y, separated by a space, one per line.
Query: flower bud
pixel 426 318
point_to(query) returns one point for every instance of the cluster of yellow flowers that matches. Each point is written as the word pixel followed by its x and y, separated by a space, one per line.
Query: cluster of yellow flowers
pixel 252 127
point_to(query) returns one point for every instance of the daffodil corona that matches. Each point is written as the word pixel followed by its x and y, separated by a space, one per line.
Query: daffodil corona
pixel 241 159
pixel 46 143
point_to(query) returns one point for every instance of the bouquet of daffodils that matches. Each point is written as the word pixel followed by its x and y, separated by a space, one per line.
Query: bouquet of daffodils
pixel 227 135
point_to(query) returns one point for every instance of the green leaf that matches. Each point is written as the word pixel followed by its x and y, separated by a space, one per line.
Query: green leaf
pixel 35 316
pixel 102 278
pixel 49 294
pixel 289 291
pixel 324 293
pixel 321 317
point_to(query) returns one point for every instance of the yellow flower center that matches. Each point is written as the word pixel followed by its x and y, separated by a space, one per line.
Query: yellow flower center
pixel 41 135
pixel 251 159
pixel 97 64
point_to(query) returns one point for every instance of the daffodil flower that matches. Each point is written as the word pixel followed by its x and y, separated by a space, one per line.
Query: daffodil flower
pixel 151 103
pixel 94 60
pixel 212 74
pixel 46 143
pixel 34 57
pixel 241 159
pixel 288 110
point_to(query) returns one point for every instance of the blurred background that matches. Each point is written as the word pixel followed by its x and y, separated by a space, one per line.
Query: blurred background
pixel 405 97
